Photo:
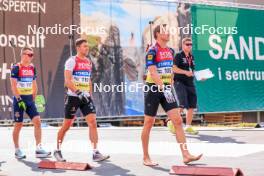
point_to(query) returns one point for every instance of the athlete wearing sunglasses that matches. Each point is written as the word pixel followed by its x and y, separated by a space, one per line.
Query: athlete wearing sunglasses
pixel 28 54
pixel 24 88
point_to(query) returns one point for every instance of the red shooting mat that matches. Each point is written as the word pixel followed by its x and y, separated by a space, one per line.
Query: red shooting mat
pixel 205 171
pixel 45 164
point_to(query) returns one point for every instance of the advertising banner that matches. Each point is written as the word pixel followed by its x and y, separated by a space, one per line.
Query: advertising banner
pixel 232 47
pixel 38 24
pixel 228 41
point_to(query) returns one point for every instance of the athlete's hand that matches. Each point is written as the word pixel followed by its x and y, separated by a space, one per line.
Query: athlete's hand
pixel 83 97
pixel 21 104
pixel 189 73
pixel 169 95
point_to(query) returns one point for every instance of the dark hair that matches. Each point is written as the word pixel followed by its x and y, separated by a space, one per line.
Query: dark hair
pixel 80 41
pixel 157 29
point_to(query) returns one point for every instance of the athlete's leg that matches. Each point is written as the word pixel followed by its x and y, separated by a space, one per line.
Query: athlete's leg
pixel 88 110
pixel 180 110
pixel 18 122
pixel 176 119
pixel 71 106
pixel 62 131
pixel 148 123
pixel 19 154
pixel 16 132
pixel 189 116
pixel 35 118
pixel 37 129
pixel 151 104
pixel 40 152
pixel 93 135
pixel 60 136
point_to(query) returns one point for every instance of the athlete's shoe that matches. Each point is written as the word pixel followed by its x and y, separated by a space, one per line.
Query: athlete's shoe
pixel 19 154
pixel 190 130
pixel 58 155
pixel 97 156
pixel 41 153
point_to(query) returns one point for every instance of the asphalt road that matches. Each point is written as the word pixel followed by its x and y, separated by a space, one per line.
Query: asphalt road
pixel 225 147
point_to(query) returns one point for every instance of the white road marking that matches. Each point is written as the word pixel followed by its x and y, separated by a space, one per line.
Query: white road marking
pixel 156 148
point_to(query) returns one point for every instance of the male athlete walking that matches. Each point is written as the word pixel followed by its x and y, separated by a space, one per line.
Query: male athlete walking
pixel 24 88
pixel 78 81
pixel 159 62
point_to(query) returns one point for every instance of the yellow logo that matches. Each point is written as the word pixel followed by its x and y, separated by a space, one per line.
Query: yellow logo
pixel 150 57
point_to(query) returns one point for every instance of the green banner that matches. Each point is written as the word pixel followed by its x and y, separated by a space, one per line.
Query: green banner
pixel 230 42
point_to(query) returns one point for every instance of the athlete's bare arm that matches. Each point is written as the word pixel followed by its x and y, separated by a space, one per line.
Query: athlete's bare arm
pixel 155 76
pixel 172 79
pixel 34 88
pixel 14 87
pixel 68 81
pixel 91 87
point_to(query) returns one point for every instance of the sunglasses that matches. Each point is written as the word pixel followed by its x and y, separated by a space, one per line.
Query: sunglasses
pixel 188 44
pixel 29 55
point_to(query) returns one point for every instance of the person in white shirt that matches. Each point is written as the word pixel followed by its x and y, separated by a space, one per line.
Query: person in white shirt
pixel 79 96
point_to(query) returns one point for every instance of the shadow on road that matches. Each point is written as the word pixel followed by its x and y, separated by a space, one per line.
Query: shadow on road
pixel 215 139
pixel 1 162
pixel 159 168
pixel 196 164
pixel 34 167
pixel 110 169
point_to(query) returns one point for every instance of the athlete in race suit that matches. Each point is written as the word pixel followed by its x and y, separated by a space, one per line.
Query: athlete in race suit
pixel 159 63
pixel 162 59
pixel 24 88
pixel 78 81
